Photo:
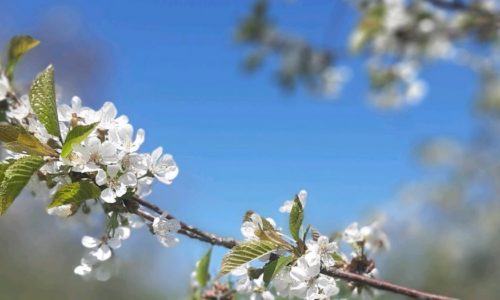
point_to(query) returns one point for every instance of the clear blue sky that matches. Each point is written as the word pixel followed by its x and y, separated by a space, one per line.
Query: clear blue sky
pixel 239 141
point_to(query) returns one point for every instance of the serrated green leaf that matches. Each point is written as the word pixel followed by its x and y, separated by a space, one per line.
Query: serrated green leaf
pixel 16 177
pixel 43 101
pixel 244 253
pixel 76 135
pixel 202 275
pixel 3 167
pixel 296 218
pixel 17 139
pixel 274 267
pixel 75 193
pixel 18 47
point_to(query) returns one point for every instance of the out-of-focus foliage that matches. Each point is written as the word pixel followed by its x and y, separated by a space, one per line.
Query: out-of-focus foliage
pixel 449 238
pixel 36 253
pixel 300 62
pixel 396 39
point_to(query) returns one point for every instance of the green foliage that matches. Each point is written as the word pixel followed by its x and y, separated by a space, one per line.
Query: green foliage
pixel 3 167
pixel 77 135
pixel 16 176
pixel 17 139
pixel 202 275
pixel 244 253
pixel 75 193
pixel 274 267
pixel 18 47
pixel 43 101
pixel 296 218
pixel 368 27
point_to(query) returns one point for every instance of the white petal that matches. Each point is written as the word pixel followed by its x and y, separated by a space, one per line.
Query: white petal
pixel 82 270
pixel 101 178
pixel 76 103
pixel 102 253
pixel 168 240
pixel 108 150
pixel 113 170
pixel 248 230
pixel 155 155
pixel 139 139
pixel 114 243
pixel 120 190
pixel 128 179
pixel 286 207
pixel 122 232
pixel 108 196
pixel 90 242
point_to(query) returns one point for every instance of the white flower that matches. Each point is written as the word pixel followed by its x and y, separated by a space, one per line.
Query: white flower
pixel 21 109
pixel 254 223
pixel 322 248
pixel 352 234
pixel 282 282
pixel 93 153
pixel 144 187
pixel 121 136
pixel 254 287
pixel 287 205
pixel 107 119
pixel 120 233
pixel 116 181
pixel 166 229
pixel 62 211
pixel 375 238
pixel 76 112
pixel 308 283
pixel 101 251
pixel 415 91
pixel 163 167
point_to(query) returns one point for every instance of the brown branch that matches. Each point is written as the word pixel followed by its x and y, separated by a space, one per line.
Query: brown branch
pixel 382 285
pixel 188 229
pixel 229 243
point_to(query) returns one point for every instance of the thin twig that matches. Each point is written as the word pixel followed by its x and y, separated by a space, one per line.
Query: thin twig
pixel 382 285
pixel 229 243
pixel 201 235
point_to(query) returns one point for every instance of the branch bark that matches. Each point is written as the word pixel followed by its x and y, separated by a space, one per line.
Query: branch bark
pixel 196 233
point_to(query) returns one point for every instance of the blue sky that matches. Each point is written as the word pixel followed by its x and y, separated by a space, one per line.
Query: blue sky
pixel 240 142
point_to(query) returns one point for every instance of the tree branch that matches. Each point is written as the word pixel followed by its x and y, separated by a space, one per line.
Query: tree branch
pixel 449 4
pixel 195 233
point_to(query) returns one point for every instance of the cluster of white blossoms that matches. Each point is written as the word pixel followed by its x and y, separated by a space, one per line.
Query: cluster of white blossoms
pixel 79 154
pixel 108 157
pixel 301 276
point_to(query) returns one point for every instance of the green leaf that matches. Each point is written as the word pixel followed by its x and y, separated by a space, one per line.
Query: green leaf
pixel 244 253
pixel 17 139
pixel 296 218
pixel 3 167
pixel 75 193
pixel 202 275
pixel 274 267
pixel 18 46
pixel 77 135
pixel 371 23
pixel 43 100
pixel 16 177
